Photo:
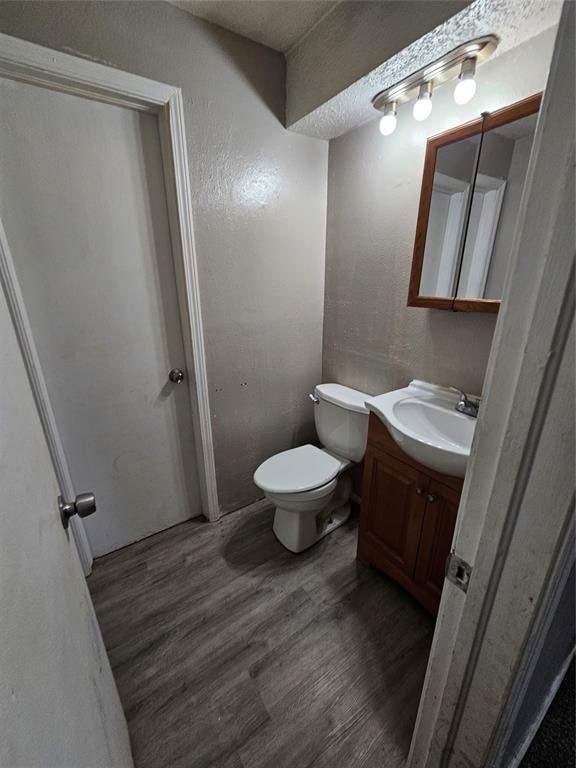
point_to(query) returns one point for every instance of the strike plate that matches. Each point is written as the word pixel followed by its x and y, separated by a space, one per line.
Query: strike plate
pixel 458 571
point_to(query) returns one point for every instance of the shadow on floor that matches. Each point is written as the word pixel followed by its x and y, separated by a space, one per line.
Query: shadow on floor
pixel 252 544
pixel 554 743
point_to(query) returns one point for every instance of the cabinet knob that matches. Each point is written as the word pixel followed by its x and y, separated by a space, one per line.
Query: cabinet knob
pixel 431 497
pixel 419 492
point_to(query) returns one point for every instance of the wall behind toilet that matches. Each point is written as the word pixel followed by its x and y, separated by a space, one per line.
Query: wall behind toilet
pixel 372 340
pixel 259 196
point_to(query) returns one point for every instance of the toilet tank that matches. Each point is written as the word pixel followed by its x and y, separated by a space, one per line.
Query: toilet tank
pixel 341 420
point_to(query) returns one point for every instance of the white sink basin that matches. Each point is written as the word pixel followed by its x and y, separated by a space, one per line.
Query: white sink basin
pixel 422 420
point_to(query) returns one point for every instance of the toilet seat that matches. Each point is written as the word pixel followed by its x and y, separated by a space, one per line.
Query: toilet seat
pixel 297 470
pixel 313 495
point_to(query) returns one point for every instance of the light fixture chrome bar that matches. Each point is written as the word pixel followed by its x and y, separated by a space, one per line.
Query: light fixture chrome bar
pixel 468 68
pixel 390 108
pixel 444 68
pixel 425 90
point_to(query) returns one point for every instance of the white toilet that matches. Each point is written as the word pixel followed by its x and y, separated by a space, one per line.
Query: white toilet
pixel 310 486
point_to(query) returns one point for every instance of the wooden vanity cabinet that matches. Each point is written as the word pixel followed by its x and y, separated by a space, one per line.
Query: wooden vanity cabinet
pixel 407 518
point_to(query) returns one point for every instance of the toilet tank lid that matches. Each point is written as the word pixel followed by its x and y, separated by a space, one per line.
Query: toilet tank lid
pixel 345 397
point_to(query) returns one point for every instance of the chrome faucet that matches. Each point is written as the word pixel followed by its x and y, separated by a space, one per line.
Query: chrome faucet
pixel 467 405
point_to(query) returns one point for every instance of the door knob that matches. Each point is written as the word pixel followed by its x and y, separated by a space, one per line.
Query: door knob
pixel 431 497
pixel 83 505
pixel 419 492
pixel 176 375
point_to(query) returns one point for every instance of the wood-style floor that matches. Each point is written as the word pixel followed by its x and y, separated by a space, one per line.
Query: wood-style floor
pixel 230 652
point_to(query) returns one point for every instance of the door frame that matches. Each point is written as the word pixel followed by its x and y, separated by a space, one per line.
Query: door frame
pixel 487 640
pixel 34 64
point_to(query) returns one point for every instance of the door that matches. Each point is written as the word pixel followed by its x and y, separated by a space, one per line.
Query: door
pixel 391 523
pixel 516 522
pixel 59 704
pixel 83 204
pixel 435 541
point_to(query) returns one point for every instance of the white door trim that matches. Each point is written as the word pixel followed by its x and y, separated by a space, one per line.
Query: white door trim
pixel 31 63
pixel 487 640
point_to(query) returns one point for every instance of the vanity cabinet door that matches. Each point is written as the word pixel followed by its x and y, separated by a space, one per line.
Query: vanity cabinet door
pixel 436 540
pixel 392 513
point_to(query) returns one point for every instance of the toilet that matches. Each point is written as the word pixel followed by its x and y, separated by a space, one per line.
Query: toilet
pixel 309 486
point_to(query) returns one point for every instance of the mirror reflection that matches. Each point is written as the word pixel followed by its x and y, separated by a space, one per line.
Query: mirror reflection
pixel 477 186
pixel 496 197
pixel 453 180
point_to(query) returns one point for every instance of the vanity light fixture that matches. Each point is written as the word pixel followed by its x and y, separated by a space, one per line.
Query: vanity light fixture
pixel 423 104
pixel 459 63
pixel 466 85
pixel 388 122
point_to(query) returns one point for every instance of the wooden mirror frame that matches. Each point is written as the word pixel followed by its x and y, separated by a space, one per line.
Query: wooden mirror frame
pixel 483 124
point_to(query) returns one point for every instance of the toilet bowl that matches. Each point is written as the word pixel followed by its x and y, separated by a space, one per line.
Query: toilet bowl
pixel 309 486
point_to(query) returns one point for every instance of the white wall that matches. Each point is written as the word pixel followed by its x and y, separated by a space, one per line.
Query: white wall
pixel 58 702
pixel 259 213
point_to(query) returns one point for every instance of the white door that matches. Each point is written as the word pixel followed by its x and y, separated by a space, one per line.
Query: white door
pixel 82 200
pixel 59 707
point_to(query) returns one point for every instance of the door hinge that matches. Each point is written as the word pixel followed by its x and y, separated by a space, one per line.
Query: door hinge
pixel 458 571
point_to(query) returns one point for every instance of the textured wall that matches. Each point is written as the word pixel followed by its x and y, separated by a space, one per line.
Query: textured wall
pixel 372 340
pixel 259 213
pixel 355 38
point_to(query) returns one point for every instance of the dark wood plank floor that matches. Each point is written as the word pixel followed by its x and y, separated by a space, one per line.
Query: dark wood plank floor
pixel 231 652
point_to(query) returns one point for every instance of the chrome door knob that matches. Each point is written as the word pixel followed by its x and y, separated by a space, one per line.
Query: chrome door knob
pixel 83 505
pixel 176 375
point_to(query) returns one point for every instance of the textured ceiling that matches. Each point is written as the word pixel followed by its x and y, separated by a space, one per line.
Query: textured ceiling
pixel 279 24
pixel 514 21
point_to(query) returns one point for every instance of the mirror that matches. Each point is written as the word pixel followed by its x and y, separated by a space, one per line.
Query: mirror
pixel 453 180
pixel 471 190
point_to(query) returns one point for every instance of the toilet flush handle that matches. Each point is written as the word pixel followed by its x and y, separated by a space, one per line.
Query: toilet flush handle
pixel 314 399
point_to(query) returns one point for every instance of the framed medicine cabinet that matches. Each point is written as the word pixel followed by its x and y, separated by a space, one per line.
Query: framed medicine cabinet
pixel 471 189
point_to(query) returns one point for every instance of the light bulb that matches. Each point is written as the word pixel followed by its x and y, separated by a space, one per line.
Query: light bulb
pixel 423 104
pixel 388 122
pixel 464 91
pixel 388 125
pixel 466 85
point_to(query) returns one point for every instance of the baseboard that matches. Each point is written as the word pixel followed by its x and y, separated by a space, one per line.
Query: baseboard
pixel 258 506
pixel 541 714
pixel 255 506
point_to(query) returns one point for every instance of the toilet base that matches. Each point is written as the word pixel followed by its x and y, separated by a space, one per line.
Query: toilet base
pixel 299 531
pixel 336 519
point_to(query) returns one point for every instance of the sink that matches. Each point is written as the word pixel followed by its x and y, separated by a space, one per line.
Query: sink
pixel 422 420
